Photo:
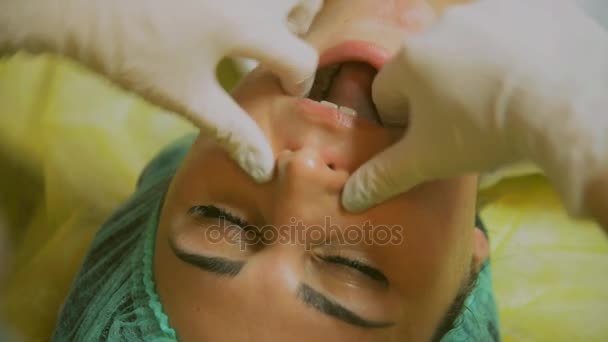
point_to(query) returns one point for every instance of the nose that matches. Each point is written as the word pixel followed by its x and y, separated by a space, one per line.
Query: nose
pixel 307 186
pixel 308 173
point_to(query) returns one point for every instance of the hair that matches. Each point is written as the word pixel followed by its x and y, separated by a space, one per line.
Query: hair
pixel 450 318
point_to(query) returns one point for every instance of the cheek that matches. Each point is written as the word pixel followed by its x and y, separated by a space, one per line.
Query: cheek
pixel 449 203
pixel 344 15
pixel 412 15
pixel 193 301
pixel 259 83
pixel 434 216
pixel 449 240
pixel 437 220
pixel 258 94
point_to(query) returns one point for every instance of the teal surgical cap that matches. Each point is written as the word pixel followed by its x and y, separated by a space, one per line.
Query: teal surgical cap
pixel 114 299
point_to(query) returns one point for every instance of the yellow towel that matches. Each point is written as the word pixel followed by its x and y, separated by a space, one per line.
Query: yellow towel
pixel 72 146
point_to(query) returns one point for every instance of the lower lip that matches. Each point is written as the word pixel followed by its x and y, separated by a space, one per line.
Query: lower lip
pixel 330 115
pixel 355 50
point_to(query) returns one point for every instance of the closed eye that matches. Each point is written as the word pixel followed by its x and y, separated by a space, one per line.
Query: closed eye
pixel 359 266
pixel 236 230
pixel 211 211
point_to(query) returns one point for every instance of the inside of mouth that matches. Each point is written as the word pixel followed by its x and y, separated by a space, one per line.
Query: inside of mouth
pixel 349 87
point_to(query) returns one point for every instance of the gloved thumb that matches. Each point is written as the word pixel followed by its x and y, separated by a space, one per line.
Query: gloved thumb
pixel 221 118
pixel 390 90
pixel 406 163
pixel 392 172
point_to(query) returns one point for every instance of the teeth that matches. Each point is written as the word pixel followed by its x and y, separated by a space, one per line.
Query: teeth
pixel 347 111
pixel 329 104
pixel 341 109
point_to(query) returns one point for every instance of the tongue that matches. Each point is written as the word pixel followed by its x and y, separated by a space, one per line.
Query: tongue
pixel 352 87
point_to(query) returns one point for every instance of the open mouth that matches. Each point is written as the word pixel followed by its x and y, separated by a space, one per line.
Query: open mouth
pixel 347 88
pixel 346 83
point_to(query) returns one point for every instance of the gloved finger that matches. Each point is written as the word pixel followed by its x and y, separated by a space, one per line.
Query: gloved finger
pixel 218 115
pixel 290 58
pixel 388 91
pixel 401 80
pixel 301 17
pixel 392 172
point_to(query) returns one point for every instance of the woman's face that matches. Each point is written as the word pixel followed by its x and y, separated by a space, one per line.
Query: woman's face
pixel 283 261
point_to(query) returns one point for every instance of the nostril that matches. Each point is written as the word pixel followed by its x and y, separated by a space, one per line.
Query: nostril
pixel 331 166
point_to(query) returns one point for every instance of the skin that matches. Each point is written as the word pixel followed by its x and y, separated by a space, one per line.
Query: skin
pixel 425 265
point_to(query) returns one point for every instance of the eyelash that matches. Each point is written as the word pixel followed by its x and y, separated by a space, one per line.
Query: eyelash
pixel 355 264
pixel 211 211
pixel 241 237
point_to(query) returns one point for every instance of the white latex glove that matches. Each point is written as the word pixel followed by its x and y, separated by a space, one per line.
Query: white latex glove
pixel 167 51
pixel 494 82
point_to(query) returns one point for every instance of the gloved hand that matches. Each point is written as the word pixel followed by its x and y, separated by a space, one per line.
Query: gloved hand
pixel 167 51
pixel 491 83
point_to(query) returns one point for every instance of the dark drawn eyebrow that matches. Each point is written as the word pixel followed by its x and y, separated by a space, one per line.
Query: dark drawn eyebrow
pixel 217 265
pixel 318 301
pixel 369 271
